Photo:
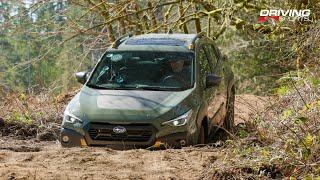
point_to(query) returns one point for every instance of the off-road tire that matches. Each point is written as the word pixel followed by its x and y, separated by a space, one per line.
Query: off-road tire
pixel 202 136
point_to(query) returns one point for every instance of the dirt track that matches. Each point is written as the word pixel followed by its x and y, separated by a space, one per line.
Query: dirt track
pixel 47 160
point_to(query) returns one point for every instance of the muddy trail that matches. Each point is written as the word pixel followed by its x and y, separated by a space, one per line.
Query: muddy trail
pixel 32 159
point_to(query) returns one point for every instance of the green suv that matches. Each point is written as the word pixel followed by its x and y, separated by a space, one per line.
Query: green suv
pixel 152 90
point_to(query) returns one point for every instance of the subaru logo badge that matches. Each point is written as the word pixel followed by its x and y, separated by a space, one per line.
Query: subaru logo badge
pixel 119 130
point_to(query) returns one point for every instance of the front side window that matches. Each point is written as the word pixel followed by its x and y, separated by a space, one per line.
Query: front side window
pixel 144 70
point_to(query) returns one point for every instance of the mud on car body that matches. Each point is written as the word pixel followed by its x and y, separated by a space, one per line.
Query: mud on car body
pixel 152 90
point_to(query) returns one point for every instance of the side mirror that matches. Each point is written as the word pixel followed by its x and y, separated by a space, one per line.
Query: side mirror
pixel 81 77
pixel 212 80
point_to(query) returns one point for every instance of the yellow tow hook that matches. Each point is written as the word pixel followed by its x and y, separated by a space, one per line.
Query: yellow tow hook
pixel 157 145
pixel 83 143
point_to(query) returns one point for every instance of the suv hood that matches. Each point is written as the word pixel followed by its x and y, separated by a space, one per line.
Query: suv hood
pixel 122 106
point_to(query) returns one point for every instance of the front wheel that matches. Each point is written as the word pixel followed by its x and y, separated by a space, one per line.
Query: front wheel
pixel 229 119
pixel 202 137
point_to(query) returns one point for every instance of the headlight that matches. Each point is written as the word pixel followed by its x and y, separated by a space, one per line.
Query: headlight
pixel 70 118
pixel 179 121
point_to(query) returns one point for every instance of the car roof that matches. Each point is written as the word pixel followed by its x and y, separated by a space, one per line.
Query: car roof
pixel 159 42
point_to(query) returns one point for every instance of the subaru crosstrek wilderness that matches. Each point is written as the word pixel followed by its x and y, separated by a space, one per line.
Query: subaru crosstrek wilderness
pixel 150 90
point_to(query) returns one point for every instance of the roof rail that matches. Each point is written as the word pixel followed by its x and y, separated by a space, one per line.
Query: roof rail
pixel 117 42
pixel 199 35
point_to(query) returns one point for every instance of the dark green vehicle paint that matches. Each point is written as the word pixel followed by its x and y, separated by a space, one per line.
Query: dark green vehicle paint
pixel 134 107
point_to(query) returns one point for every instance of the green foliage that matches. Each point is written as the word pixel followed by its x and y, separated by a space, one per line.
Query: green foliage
pixel 33 54
pixel 243 133
pixel 286 114
pixel 21 118
pixel 45 45
pixel 282 90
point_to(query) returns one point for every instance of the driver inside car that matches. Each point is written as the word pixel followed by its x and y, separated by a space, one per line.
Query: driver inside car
pixel 177 66
pixel 177 75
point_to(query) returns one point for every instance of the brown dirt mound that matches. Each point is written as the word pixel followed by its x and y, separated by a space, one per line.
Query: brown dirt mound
pixel 248 105
pixel 53 162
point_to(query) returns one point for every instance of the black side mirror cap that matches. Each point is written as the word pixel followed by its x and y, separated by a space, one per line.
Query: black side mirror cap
pixel 212 80
pixel 81 77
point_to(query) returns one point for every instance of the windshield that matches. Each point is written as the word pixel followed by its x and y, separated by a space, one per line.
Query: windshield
pixel 144 70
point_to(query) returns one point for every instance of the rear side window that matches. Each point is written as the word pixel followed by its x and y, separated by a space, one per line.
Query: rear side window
pixel 204 65
pixel 212 56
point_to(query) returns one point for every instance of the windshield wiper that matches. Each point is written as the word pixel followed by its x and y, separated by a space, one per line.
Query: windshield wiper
pixel 96 86
pixel 111 88
pixel 156 88
pixel 138 87
pixel 151 88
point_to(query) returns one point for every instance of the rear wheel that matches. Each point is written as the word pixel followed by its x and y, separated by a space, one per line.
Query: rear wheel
pixel 229 119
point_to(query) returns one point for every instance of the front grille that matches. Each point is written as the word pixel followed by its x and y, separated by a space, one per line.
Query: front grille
pixel 134 133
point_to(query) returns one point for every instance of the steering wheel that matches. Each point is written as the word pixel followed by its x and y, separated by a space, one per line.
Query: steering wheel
pixel 175 78
pixel 120 76
pixel 123 68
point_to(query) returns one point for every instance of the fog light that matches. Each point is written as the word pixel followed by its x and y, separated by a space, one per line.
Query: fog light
pixel 183 143
pixel 65 139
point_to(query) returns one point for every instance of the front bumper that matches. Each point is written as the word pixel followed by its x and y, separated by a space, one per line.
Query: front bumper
pixel 175 140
